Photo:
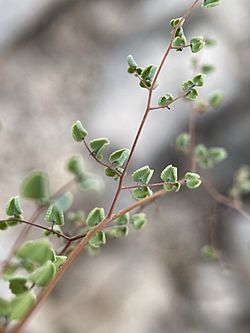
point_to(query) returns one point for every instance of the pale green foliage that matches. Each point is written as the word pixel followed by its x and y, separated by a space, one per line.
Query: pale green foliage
pixel 208 68
pixel 177 21
pixel 36 262
pixel 98 240
pixel 13 207
pixel 193 180
pixel 18 285
pixel 118 232
pixel 36 187
pixel 64 201
pixel 241 184
pixel 169 175
pixel 182 142
pixel 95 216
pixel 122 220
pixel 215 98
pixel 119 157
pixel 139 221
pixel 210 3
pixel 98 146
pixel 75 165
pixel 38 251
pixel 166 99
pixel 21 304
pixel 55 215
pixel 142 192
pixel 208 158
pixel 197 44
pixel 143 175
pixel 78 131
pixel 44 274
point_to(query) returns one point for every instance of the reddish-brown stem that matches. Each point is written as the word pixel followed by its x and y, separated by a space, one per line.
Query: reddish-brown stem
pixel 148 109
pixel 81 245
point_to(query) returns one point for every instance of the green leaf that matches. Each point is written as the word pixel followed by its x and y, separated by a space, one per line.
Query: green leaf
pixel 201 152
pixel 208 69
pixel 79 133
pixel 143 175
pixel 210 3
pixel 169 174
pixel 182 142
pixel 199 80
pixel 146 72
pixel 241 184
pixel 13 207
pixel 152 72
pixel 207 158
pixel 218 154
pixel 142 192
pixel 119 157
pixel 91 182
pixel 3 225
pixel 17 285
pixel 98 239
pixel 170 187
pixel 75 165
pixel 119 232
pixel 64 201
pixel 179 42
pixel 11 222
pixel 197 44
pixel 59 261
pixel 192 180
pixel 21 305
pixel 163 100
pixel 4 308
pixel 55 215
pixel 179 32
pixel 187 85
pixel 139 221
pixel 38 251
pixel 215 99
pixel 98 145
pixel 131 62
pixel 109 172
pixel 95 216
pixel 192 95
pixel 36 187
pixel 174 22
pixel 210 252
pixel 44 274
pixel 131 70
pixel 122 220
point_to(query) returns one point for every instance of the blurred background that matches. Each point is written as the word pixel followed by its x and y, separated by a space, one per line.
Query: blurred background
pixel 63 60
